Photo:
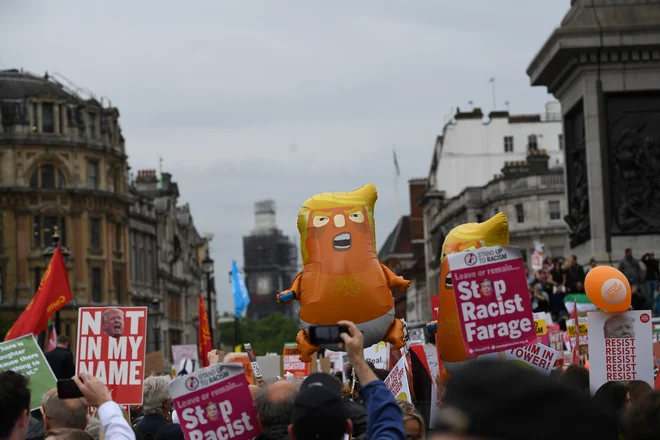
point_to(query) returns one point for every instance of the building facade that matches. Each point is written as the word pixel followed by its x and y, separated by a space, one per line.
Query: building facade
pixel 529 193
pixel 403 253
pixel 176 258
pixel 471 151
pixel 63 169
pixel 270 264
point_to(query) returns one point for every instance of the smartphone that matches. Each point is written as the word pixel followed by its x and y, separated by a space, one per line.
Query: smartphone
pixel 326 334
pixel 67 389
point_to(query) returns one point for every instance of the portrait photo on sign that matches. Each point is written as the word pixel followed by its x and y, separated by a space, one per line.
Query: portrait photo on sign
pixel 620 347
pixel 112 322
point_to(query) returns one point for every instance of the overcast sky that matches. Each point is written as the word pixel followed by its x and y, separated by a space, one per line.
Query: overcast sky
pixel 259 99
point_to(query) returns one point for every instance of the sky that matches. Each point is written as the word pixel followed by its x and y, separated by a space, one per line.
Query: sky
pixel 263 99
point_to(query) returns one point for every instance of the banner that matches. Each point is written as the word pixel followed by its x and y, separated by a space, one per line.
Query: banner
pixel 258 377
pixel 215 403
pixel 185 359
pixel 111 346
pixel 492 297
pixel 397 381
pixel 620 347
pixel 379 355
pixel 54 292
pixel 540 357
pixel 292 364
pixel 24 356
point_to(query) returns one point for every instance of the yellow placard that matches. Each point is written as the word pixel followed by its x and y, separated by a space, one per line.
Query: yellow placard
pixel 541 327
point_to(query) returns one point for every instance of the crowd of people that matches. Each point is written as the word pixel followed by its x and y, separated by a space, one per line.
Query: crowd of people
pixel 557 278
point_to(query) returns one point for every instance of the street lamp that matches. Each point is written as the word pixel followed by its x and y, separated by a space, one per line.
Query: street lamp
pixel 48 254
pixel 207 265
pixel 155 319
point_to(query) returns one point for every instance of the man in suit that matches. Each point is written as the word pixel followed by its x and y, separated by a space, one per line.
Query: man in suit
pixel 61 359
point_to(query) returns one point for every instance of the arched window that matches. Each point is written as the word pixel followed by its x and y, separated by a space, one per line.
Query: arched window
pixel 47 176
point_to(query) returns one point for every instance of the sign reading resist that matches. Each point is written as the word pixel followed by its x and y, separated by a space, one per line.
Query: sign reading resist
pixel 492 297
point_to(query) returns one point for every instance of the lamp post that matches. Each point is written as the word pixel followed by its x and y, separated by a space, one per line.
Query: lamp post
pixel 155 319
pixel 48 254
pixel 207 265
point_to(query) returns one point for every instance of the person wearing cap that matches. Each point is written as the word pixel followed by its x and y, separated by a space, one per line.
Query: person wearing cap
pixel 619 326
pixel 319 413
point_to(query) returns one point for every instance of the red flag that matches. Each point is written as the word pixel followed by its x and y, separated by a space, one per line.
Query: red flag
pixel 204 334
pixel 52 341
pixel 576 347
pixel 54 293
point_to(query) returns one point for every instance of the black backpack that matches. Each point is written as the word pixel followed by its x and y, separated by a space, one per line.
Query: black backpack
pixel 139 435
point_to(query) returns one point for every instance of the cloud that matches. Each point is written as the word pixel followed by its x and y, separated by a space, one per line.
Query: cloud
pixel 260 99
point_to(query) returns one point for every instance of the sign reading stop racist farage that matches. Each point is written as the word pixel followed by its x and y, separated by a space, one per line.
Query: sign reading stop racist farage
pixel 215 403
pixel 492 297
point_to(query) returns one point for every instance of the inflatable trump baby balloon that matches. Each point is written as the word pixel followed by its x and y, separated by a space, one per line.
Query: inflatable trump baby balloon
pixel 449 339
pixel 342 278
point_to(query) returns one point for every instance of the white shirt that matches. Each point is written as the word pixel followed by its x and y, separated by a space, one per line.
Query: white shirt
pixel 115 426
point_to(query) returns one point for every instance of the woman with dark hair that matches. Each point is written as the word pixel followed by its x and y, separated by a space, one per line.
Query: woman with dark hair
pixel 614 396
pixel 637 389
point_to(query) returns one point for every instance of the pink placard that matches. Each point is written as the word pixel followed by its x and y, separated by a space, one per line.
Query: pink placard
pixel 214 403
pixel 492 296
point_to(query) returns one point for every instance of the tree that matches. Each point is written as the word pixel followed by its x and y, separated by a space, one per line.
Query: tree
pixel 266 335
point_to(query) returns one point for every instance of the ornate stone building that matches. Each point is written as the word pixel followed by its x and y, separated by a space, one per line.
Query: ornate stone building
pixel 62 168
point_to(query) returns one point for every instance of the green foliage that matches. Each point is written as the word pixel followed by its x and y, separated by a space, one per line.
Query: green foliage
pixel 266 335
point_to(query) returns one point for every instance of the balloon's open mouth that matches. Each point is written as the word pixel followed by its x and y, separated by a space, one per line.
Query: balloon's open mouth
pixel 342 242
pixel 448 282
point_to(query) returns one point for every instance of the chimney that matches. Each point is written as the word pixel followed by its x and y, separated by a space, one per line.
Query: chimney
pixel 417 188
pixel 538 161
pixel 146 180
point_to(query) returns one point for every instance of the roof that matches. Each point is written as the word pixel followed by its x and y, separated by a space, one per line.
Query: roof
pixel 15 84
pixel 399 234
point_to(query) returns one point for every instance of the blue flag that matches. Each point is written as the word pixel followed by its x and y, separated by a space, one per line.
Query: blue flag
pixel 241 296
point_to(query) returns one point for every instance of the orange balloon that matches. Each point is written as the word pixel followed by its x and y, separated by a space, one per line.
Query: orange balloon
pixel 608 289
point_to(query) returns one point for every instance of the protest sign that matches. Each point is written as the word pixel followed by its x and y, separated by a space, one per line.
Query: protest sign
pixel 154 364
pixel 182 352
pixel 111 346
pixel 538 356
pixel 492 297
pixel 620 347
pixel 270 366
pixel 556 342
pixel 584 330
pixel 397 381
pixel 215 403
pixel 24 356
pixel 537 260
pixel 291 362
pixel 258 377
pixel 435 301
pixel 379 355
pixel 541 328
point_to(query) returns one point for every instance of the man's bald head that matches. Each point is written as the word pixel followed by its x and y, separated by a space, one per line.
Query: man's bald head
pixel 275 403
pixel 63 413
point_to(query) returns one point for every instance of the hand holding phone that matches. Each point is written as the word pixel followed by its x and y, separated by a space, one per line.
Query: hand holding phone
pixel 326 334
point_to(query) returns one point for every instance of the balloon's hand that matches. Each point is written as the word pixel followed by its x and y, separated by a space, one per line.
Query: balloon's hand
pixel 285 297
pixel 432 327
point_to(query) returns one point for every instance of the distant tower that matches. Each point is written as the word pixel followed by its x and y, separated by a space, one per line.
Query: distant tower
pixel 264 217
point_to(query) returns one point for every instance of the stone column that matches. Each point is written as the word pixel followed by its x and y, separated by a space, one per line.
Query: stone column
pixel 603 64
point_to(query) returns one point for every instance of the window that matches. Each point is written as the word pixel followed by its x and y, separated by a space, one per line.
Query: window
pixel 555 210
pixel 35 119
pixel 47 176
pixel 97 296
pixel 119 237
pixel 95 233
pixel 561 142
pixel 47 118
pixel 92 174
pixel 508 144
pixel 532 142
pixel 520 213
pixel 91 125
pixel 44 227
pixel 37 278
pixel 118 286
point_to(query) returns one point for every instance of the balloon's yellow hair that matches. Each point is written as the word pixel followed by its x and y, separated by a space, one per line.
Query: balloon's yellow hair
pixel 365 196
pixel 492 232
